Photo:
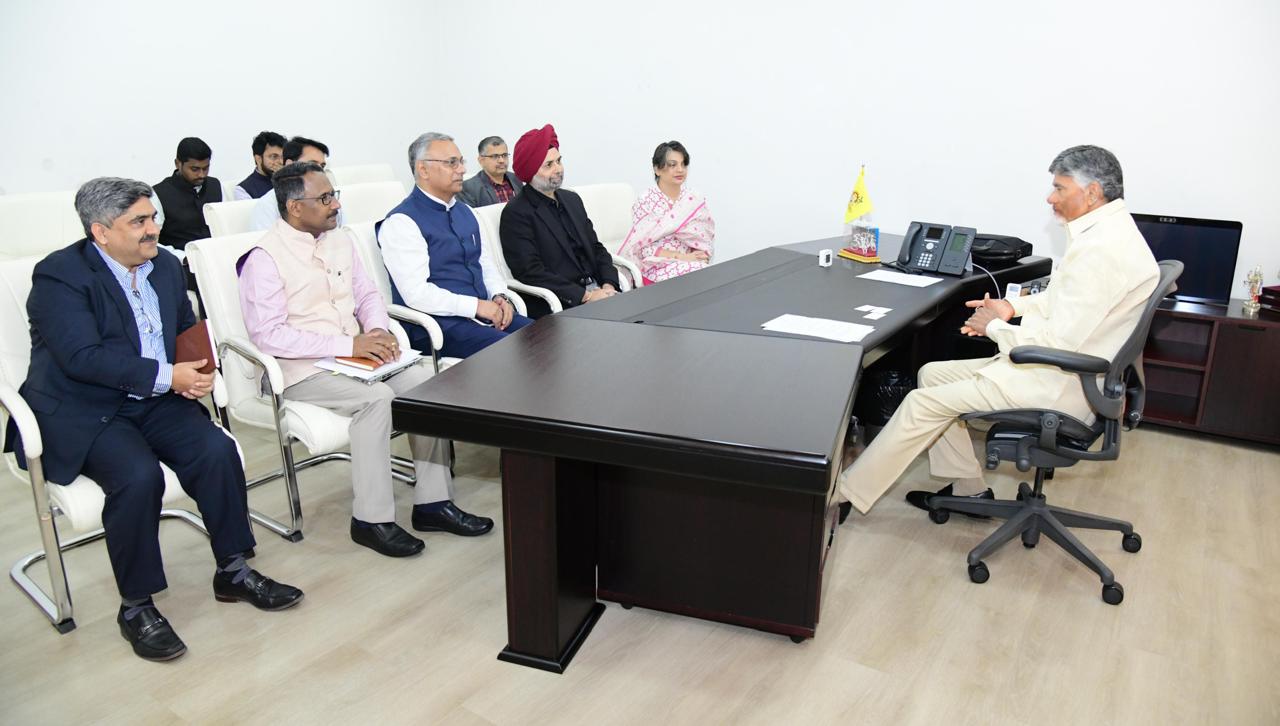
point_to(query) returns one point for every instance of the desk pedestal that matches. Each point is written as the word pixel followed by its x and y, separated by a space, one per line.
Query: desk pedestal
pixel 577 531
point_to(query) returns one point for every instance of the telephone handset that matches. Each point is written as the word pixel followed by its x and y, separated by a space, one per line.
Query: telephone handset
pixel 937 248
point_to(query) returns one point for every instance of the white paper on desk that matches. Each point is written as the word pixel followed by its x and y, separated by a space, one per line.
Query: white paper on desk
pixel 900 278
pixel 408 357
pixel 837 330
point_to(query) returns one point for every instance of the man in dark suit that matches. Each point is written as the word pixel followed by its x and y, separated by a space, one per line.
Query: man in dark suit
pixel 105 313
pixel 547 238
pixel 493 184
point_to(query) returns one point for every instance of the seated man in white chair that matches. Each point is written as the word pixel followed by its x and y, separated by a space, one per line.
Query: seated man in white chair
pixel 105 313
pixel 305 297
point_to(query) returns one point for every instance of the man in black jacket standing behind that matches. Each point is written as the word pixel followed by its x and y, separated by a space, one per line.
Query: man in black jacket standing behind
pixel 547 238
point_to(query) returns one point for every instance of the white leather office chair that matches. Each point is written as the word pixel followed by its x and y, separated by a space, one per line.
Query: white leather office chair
pixel 245 368
pixel 489 217
pixel 361 174
pixel 79 503
pixel 370 201
pixel 227 218
pixel 36 224
pixel 609 207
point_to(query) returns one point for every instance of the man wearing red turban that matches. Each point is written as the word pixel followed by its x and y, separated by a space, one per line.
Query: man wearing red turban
pixel 547 238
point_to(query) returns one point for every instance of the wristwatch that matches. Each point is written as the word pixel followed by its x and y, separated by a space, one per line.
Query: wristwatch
pixel 510 302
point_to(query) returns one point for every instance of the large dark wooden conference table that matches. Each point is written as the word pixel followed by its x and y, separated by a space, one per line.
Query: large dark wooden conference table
pixel 660 449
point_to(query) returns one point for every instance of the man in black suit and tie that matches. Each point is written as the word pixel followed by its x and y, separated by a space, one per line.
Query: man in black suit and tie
pixel 547 238
pixel 105 313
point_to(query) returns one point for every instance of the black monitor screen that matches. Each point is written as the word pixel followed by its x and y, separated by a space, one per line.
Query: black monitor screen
pixel 1206 247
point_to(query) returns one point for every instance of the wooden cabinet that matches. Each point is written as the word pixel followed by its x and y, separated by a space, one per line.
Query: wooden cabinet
pixel 1211 369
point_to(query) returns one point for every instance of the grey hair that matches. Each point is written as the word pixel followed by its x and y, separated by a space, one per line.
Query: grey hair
pixel 488 141
pixel 1088 164
pixel 104 199
pixel 418 149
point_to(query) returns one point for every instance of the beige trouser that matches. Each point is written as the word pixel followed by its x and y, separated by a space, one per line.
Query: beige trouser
pixel 927 418
pixel 369 406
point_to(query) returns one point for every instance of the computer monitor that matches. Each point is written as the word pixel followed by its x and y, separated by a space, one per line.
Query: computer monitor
pixel 1206 247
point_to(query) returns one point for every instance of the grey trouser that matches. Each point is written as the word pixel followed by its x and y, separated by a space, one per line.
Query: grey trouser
pixel 369 406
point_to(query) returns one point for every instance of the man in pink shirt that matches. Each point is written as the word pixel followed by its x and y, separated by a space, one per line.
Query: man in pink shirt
pixel 305 296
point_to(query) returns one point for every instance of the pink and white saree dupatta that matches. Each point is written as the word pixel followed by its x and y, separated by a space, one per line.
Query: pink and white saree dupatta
pixel 657 223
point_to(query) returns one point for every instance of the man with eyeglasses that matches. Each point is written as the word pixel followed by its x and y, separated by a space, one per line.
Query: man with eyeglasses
pixel 432 248
pixel 493 184
pixel 547 237
pixel 266 212
pixel 305 296
pixel 112 404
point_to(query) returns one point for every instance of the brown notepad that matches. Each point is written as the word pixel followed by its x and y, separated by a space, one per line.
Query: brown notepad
pixel 194 344
pixel 366 364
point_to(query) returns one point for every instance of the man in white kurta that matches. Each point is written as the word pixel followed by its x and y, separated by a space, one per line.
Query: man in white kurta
pixel 1091 306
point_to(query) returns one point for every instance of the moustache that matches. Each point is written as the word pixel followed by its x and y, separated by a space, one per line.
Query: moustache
pixel 149 238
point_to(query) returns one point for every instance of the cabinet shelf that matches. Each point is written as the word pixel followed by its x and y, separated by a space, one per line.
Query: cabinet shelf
pixel 1175 354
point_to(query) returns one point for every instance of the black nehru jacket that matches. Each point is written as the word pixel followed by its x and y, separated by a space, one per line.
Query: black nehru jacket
pixel 184 209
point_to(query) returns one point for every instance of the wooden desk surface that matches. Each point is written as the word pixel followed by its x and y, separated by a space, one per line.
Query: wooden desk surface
pixel 751 409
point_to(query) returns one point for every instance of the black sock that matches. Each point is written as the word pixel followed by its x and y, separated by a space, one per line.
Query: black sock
pixel 235 566
pixel 133 606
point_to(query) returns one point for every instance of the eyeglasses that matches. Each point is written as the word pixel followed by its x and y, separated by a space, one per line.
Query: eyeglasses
pixel 452 162
pixel 496 157
pixel 148 327
pixel 326 199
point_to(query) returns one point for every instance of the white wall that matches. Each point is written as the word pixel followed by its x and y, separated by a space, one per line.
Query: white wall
pixel 956 108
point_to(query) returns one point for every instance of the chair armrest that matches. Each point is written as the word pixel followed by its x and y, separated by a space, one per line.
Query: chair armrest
pixel 1066 360
pixel 219 390
pixel 519 302
pixel 552 301
pixel 250 352
pixel 24 419
pixel 417 317
pixel 632 269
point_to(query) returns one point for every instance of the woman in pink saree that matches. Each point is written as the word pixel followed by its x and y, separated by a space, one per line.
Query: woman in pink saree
pixel 672 232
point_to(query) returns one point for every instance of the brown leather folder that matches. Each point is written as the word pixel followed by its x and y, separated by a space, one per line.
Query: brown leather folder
pixel 194 344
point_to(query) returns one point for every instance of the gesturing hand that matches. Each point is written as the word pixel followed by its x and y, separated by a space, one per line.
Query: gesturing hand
pixel 985 310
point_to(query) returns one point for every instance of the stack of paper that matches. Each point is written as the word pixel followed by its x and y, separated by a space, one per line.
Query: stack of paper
pixel 873 312
pixel 837 330
pixel 900 278
pixel 408 357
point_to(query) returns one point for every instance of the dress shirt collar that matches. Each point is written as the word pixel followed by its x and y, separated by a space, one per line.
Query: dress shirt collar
pixel 121 273
pixel 447 205
pixel 294 235
pixel 1084 222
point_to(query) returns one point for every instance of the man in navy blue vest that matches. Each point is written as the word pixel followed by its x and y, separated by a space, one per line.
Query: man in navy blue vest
pixel 268 157
pixel 432 248
pixel 111 404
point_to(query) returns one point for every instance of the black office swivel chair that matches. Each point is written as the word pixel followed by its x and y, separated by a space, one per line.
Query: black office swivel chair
pixel 1047 439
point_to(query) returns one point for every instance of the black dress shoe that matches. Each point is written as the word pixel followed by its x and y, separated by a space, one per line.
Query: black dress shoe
pixel 259 591
pixel 388 539
pixel 452 520
pixel 919 498
pixel 151 635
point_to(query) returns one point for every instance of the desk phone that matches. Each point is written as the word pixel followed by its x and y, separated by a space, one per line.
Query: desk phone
pixel 937 248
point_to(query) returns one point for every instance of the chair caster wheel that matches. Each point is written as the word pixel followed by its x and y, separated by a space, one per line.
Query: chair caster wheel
pixel 798 639
pixel 1030 540
pixel 1131 542
pixel 1113 594
pixel 626 605
pixel 939 516
pixel 979 573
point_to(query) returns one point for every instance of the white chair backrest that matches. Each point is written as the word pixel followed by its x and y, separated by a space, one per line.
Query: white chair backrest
pixel 490 219
pixel 36 224
pixel 15 329
pixel 370 202
pixel 609 207
pixel 228 218
pixel 213 261
pixel 371 256
pixel 361 174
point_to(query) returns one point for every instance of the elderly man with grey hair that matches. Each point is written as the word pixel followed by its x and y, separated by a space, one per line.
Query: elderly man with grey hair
pixel 1098 293
pixel 113 404
pixel 438 263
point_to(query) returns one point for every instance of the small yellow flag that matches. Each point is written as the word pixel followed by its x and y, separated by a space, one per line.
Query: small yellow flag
pixel 859 202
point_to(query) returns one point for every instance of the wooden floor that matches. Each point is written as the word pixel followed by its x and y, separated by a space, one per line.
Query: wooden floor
pixel 905 637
